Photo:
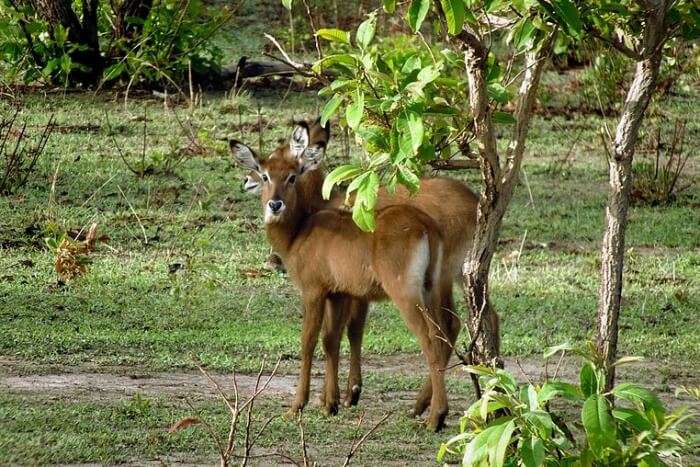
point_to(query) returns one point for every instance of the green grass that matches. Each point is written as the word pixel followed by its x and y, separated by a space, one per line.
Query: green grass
pixel 226 310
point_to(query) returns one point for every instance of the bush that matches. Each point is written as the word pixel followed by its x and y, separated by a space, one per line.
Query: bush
pixel 513 424
pixel 603 82
pixel 657 179
pixel 160 48
pixel 174 39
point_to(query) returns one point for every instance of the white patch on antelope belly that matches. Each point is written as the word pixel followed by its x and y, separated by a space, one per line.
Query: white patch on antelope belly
pixel 415 274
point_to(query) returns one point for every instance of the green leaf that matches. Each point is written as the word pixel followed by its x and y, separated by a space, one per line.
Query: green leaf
pixel 389 6
pixel 330 109
pixel 364 218
pixel 522 33
pixel 412 63
pixel 338 175
pixel 365 32
pixel 287 4
pixel 493 5
pixel 588 380
pixel 374 136
pixel 504 117
pixel 625 360
pixel 529 397
pixel 555 349
pixel 637 394
pixel 334 35
pixel 415 128
pixel 408 179
pixel 541 421
pixel 599 424
pixel 567 14
pixel 428 74
pixel 634 418
pixel 532 451
pixel 115 71
pixel 369 189
pixel 417 13
pixel 454 15
pixel 498 92
pixel 353 114
pixel 366 199
pixel 497 453
pixel 553 389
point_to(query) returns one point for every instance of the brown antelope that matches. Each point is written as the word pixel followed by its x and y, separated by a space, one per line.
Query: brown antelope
pixel 329 258
pixel 452 205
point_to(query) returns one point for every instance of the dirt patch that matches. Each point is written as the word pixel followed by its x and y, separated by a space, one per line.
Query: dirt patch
pixel 93 382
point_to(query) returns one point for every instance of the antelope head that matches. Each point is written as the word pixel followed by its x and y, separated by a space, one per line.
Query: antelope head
pixel 318 137
pixel 275 178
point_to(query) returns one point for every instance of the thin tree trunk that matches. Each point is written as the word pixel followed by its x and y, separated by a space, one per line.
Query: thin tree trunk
pixel 497 189
pixel 613 250
pixel 620 168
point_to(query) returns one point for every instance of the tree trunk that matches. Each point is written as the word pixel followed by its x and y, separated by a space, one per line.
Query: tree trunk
pixel 613 250
pixel 620 167
pixel 60 12
pixel 497 189
pixel 139 9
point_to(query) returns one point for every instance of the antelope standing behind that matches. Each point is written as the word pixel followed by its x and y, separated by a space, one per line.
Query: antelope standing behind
pixel 329 258
pixel 453 207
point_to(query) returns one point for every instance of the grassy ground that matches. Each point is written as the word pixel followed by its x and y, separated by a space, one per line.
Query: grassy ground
pixel 130 315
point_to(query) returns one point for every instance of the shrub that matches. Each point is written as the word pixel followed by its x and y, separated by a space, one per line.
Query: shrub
pixel 162 47
pixel 657 179
pixel 174 39
pixel 603 82
pixel 513 424
pixel 18 156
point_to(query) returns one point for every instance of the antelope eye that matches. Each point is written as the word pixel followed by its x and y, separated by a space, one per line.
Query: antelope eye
pixel 265 178
pixel 292 179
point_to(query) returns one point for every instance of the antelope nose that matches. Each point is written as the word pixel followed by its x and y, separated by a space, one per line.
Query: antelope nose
pixel 275 205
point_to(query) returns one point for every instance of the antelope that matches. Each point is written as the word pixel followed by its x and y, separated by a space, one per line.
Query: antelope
pixel 451 204
pixel 329 258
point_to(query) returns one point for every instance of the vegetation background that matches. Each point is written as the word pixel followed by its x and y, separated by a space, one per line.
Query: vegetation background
pixel 96 368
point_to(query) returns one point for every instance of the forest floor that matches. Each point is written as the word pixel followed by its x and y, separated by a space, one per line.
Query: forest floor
pixel 97 369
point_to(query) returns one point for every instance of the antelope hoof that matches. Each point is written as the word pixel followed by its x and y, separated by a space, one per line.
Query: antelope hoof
pixel 352 396
pixel 420 407
pixel 437 422
pixel 331 407
pixel 292 413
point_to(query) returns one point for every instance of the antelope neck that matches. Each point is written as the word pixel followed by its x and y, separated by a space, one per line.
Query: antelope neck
pixel 281 235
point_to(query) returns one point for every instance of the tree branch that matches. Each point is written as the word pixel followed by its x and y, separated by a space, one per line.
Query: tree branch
pixel 451 164
pixel 534 64
pixel 475 56
pixel 616 43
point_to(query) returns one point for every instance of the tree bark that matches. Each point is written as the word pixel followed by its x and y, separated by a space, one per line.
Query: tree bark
pixel 620 168
pixel 140 9
pixel 497 189
pixel 84 34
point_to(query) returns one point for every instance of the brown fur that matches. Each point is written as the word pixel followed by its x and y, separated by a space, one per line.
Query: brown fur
pixel 329 258
pixel 452 205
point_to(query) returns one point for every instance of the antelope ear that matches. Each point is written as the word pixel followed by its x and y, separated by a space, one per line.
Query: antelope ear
pixel 300 139
pixel 244 156
pixel 312 157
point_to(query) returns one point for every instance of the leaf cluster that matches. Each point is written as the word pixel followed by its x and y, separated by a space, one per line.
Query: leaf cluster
pixel 513 424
